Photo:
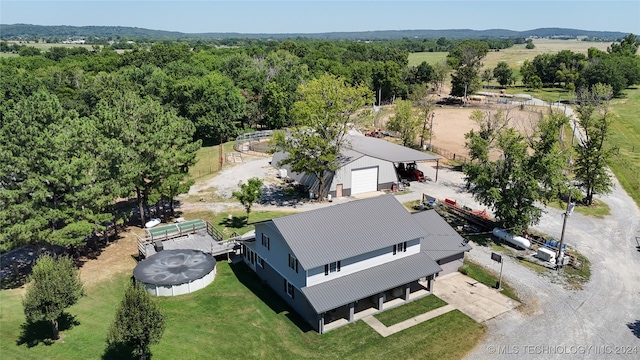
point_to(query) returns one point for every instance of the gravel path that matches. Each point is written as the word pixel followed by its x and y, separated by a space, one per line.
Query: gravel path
pixel 600 321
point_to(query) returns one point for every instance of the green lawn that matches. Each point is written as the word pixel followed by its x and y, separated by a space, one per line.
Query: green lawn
pixel 598 210
pixel 477 272
pixel 412 309
pixel 238 221
pixel 236 317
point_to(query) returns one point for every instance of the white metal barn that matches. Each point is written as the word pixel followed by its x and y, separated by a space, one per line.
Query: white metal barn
pixel 369 165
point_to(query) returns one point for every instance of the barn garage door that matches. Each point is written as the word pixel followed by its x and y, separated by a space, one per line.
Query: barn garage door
pixel 364 180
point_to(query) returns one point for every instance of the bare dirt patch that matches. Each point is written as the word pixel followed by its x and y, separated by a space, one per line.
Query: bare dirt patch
pixel 115 259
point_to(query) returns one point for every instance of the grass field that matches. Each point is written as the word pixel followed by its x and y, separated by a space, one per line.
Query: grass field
pixel 236 317
pixel 431 58
pixel 208 160
pixel 625 136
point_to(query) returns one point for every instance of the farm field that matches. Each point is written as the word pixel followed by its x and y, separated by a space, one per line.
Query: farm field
pixel 517 54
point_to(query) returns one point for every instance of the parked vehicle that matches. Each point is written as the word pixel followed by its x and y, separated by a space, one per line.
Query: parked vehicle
pixel 410 172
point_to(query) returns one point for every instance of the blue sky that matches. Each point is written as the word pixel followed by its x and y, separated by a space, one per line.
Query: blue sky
pixel 305 16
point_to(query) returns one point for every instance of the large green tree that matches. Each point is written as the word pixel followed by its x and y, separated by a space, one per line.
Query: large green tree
pixel 321 117
pixel 54 285
pixel 406 122
pixel 138 323
pixel 593 151
pixel 509 172
pixel 52 189
pixel 466 60
pixel 212 103
pixel 150 148
pixel 503 73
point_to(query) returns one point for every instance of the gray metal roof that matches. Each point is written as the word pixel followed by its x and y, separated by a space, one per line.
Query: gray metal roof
pixel 442 240
pixel 310 180
pixel 346 289
pixel 341 231
pixel 385 150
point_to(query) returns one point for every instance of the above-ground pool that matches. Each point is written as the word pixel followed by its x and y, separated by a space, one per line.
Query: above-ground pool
pixel 176 272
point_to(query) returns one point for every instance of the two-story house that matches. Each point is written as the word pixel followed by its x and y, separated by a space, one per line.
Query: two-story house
pixel 340 263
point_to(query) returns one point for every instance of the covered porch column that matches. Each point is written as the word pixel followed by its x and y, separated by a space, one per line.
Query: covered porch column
pixel 352 307
pixel 407 291
pixel 380 301
pixel 320 319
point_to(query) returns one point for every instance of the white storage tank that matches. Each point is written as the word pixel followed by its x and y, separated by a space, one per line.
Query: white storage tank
pixel 518 241
pixel 282 173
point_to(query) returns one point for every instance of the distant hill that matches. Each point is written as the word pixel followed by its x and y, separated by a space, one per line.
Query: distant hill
pixel 17 31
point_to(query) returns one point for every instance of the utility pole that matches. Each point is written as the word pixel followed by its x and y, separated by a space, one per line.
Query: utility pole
pixel 431 130
pixel 465 94
pixel 570 205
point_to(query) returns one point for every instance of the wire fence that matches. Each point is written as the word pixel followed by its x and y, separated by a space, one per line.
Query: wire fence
pixel 257 141
pixel 450 155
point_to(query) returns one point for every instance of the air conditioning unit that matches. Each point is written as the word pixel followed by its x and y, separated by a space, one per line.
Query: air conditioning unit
pixel 546 255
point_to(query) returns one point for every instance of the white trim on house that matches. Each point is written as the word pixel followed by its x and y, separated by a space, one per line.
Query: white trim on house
pixel 361 262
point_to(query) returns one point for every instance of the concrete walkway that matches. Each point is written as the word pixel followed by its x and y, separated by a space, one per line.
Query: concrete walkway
pixel 461 292
pixel 385 331
pixel 473 298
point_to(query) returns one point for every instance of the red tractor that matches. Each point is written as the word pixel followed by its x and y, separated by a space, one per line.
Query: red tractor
pixel 410 172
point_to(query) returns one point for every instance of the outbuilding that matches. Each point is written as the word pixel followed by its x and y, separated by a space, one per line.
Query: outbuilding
pixel 369 164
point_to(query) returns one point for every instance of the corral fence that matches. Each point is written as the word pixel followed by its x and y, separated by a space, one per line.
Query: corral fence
pixel 255 143
pixel 449 154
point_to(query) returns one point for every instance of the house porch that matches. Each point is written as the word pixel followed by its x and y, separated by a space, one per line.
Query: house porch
pixel 362 308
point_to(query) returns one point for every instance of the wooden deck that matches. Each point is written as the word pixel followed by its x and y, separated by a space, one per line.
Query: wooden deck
pixel 194 234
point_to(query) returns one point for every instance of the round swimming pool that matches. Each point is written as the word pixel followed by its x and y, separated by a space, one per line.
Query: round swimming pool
pixel 176 272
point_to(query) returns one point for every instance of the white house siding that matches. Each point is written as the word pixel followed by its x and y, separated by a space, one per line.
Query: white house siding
pixel 278 254
pixel 386 174
pixel 361 262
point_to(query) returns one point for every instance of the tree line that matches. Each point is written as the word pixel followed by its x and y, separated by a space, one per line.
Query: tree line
pixel 87 127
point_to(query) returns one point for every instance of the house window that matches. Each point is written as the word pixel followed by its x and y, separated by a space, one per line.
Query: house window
pixel 260 262
pixel 288 288
pixel 332 267
pixel 400 247
pixel 293 262
pixel 266 242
